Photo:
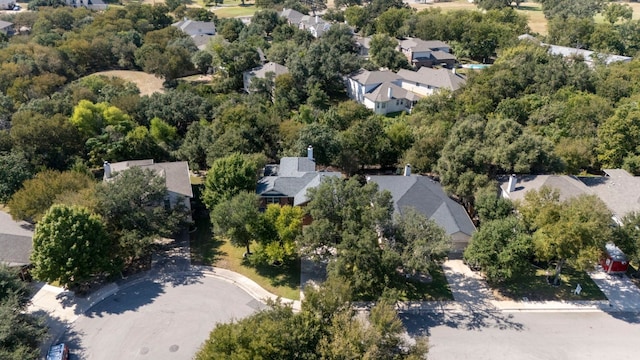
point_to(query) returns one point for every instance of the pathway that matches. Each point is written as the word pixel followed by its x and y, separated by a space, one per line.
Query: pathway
pixel 623 294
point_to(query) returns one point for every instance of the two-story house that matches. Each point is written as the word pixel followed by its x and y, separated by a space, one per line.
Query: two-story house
pixel 429 53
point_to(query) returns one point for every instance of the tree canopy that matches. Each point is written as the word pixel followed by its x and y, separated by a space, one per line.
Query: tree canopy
pixel 70 245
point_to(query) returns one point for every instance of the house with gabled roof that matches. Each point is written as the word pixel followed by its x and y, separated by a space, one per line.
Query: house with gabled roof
pixel 387 92
pixel 618 189
pixel 427 81
pixel 427 196
pixel 428 53
pixel 591 58
pixel 261 72
pixel 200 31
pixel 288 182
pixel 16 241
pixel 175 174
pixel 312 23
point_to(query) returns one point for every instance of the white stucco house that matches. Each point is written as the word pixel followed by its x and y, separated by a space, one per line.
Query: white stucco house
pixel 387 92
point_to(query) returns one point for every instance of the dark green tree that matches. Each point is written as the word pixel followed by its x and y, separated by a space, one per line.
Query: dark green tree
pixel 238 219
pixel 14 170
pixel 501 247
pixel 21 333
pixel 70 245
pixel 133 207
pixel 228 177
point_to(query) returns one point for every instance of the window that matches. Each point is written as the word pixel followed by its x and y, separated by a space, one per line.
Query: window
pixel 272 200
pixel 384 105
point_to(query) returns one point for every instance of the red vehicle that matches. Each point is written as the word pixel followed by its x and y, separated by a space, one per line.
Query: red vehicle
pixel 614 260
pixel 58 352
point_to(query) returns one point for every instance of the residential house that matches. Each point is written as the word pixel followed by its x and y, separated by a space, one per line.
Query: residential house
pixel 288 182
pixel 16 243
pixel 386 92
pixel 261 72
pixel 16 250
pixel 96 5
pixel 618 189
pixel 7 28
pixel 312 23
pixel 176 175
pixel 591 58
pixel 363 44
pixel 426 196
pixel 200 31
pixel 421 53
pixel 427 81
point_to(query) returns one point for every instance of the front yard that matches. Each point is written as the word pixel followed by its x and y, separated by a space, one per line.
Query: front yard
pixel 534 287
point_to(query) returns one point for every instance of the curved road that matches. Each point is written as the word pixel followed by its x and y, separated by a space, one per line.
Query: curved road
pixel 157 319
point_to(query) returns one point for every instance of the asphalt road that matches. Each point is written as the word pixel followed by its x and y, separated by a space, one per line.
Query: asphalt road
pixel 528 336
pixel 154 320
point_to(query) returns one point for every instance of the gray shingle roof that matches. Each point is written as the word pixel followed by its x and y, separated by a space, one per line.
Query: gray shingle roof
pixel 567 186
pixel 426 196
pixel 295 176
pixel 277 69
pixel 381 93
pixel 437 78
pixel 619 190
pixel 292 16
pixel 366 77
pixel 192 27
pixel 15 250
pixel 418 45
pixel 176 174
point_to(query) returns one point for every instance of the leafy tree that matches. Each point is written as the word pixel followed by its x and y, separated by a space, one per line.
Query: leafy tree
pixel 501 247
pixel 238 219
pixel 384 54
pixel 38 194
pixel 283 226
pixel 202 60
pixel 21 333
pixel 70 245
pixel 627 236
pixel 341 208
pixel 419 241
pixel 179 108
pixel 618 136
pixel 91 118
pixel 326 328
pixel 132 205
pixel 14 170
pixel 567 8
pixel 198 138
pixel 491 206
pixel 46 141
pixel 574 231
pixel 391 22
pixel 493 4
pixel 228 177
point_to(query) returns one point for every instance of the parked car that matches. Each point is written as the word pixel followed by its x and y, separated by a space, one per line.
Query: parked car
pixel 58 352
pixel 16 8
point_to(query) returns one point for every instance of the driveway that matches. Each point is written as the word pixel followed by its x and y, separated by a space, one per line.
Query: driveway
pixel 158 319
pixel 9 226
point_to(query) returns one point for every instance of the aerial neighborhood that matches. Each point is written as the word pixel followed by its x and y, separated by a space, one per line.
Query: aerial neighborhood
pixel 343 179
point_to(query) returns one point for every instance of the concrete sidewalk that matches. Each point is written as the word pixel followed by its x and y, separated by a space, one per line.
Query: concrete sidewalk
pixel 622 293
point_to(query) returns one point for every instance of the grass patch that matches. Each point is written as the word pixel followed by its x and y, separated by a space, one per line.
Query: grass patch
pixel 234 11
pixel 437 290
pixel 535 287
pixel 208 250
pixel 537 21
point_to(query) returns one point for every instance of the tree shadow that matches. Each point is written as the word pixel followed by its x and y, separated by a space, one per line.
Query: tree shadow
pixel 287 275
pixel 465 316
pixel 59 331
pixel 205 248
pixel 130 298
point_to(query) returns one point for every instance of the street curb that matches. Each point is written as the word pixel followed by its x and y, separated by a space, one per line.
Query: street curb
pixel 246 284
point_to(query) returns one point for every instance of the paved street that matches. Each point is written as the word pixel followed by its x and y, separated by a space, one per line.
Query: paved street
pixel 526 336
pixel 156 320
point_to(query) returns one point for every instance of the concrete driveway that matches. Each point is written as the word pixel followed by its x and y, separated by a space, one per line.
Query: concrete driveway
pixel 156 319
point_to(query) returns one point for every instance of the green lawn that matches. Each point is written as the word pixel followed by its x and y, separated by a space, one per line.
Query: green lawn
pixel 208 250
pixel 534 286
